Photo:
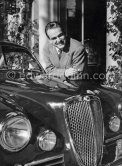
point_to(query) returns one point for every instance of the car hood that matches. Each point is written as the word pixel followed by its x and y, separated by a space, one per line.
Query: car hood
pixel 38 100
pixel 47 98
pixel 39 87
pixel 60 90
pixel 30 95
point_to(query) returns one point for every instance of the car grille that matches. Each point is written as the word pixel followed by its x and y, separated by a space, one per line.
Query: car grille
pixel 85 126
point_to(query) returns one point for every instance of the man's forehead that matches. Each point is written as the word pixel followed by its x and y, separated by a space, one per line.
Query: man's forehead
pixel 54 31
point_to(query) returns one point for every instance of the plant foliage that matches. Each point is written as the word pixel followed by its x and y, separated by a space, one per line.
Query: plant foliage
pixel 114 26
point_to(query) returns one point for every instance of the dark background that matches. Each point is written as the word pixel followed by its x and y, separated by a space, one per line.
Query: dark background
pixel 94 30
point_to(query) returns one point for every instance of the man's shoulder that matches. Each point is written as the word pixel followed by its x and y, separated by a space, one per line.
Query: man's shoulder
pixel 74 44
pixel 50 49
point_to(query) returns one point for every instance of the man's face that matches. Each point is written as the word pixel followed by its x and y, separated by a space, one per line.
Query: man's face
pixel 57 37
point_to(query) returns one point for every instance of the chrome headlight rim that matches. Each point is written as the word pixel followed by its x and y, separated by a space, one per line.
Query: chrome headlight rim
pixel 17 118
pixel 114 123
pixel 42 135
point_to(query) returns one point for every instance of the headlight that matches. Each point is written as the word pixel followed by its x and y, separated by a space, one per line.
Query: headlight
pixel 114 124
pixel 15 132
pixel 47 140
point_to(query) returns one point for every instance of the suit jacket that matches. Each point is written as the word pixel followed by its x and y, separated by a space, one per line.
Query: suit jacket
pixel 74 56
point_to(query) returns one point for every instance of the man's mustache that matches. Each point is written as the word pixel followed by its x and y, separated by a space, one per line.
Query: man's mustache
pixel 61 42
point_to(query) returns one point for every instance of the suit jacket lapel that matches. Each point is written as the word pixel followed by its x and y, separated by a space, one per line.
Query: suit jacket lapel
pixel 64 60
pixel 54 56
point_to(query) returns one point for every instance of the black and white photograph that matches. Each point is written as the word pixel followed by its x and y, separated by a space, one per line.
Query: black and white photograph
pixel 60 82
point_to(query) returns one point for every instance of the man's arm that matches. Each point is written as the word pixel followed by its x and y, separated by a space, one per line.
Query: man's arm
pixel 53 71
pixel 79 60
pixel 79 63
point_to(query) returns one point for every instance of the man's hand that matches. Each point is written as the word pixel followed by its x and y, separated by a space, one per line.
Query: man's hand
pixel 70 72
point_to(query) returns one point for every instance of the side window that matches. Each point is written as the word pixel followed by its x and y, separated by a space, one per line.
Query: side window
pixel 17 59
pixel 13 60
pixel 29 63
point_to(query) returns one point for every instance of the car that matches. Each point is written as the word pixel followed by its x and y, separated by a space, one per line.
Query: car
pixel 47 122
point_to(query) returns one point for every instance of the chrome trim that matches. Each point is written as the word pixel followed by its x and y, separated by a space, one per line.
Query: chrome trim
pixel 113 139
pixel 68 100
pixel 16 83
pixel 42 161
pixel 8 117
pixel 42 134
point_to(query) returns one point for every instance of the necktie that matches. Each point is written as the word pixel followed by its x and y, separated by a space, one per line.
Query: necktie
pixel 59 53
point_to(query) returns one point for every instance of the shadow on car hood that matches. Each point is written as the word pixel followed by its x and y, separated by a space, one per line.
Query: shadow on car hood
pixel 39 86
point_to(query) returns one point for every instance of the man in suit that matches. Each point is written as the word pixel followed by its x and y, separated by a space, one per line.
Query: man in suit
pixel 67 57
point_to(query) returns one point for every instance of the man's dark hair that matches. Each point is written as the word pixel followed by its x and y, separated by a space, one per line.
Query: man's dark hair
pixel 52 25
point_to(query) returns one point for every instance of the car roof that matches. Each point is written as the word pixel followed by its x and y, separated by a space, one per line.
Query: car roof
pixel 12 44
